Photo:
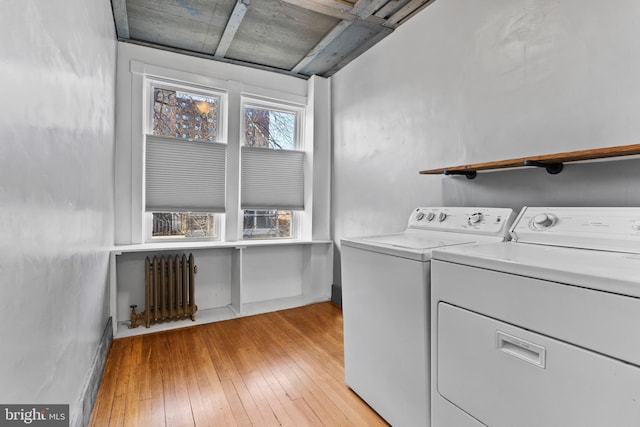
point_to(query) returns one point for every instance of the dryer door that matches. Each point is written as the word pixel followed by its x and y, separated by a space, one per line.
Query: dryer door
pixel 506 376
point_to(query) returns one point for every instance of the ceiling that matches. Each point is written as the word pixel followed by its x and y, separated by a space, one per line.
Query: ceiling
pixel 296 37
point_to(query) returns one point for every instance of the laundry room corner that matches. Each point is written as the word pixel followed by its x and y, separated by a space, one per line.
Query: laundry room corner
pixel 476 82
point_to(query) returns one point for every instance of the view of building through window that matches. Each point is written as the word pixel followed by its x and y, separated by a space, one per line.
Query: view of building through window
pixel 184 115
pixel 270 128
pixel 186 225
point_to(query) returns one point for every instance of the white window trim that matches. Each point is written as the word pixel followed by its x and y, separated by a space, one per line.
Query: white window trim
pixel 142 75
pixel 151 82
pixel 299 217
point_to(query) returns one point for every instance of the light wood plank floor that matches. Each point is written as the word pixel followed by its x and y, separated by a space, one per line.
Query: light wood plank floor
pixel 277 369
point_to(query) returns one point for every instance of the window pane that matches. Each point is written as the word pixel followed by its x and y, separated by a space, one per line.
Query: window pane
pixel 266 224
pixel 269 128
pixel 184 224
pixel 181 115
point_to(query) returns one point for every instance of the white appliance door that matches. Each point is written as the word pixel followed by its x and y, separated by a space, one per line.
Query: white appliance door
pixel 506 376
pixel 385 312
pixel 446 414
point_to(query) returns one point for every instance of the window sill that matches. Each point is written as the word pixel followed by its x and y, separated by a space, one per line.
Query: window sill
pixel 189 245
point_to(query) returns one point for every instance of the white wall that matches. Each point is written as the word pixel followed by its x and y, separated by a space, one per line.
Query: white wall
pixel 57 82
pixel 469 81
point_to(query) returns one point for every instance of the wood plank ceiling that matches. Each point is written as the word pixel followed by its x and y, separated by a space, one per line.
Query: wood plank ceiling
pixel 296 37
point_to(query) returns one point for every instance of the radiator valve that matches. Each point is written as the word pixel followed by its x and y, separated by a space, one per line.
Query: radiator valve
pixel 134 317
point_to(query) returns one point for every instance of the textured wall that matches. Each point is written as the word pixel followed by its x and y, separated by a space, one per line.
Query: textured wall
pixel 468 81
pixel 56 192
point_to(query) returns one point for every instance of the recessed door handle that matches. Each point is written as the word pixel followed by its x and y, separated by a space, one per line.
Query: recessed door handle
pixel 522 349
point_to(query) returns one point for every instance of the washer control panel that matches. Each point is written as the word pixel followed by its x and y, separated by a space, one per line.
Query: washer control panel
pixel 475 218
pixel 492 221
pixel 614 229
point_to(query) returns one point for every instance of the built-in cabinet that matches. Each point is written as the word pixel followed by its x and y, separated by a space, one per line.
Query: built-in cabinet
pixel 233 279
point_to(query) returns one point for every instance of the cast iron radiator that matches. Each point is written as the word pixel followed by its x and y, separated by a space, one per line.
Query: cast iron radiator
pixel 169 290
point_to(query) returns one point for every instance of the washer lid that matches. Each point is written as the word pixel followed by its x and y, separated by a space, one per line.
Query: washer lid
pixel 414 241
pixel 417 247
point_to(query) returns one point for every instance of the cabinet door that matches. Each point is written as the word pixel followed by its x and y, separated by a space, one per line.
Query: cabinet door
pixel 507 376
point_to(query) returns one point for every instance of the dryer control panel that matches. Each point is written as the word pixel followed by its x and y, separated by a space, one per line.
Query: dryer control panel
pixel 609 229
pixel 470 220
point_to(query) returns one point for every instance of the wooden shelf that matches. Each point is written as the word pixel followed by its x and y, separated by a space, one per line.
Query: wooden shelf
pixel 553 163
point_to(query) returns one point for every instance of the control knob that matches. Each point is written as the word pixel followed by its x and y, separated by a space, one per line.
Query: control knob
pixel 430 216
pixel 419 216
pixel 475 218
pixel 543 221
pixel 635 225
pixel 442 216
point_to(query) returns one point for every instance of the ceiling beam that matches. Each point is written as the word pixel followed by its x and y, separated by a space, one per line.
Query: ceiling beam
pixel 313 53
pixel 406 12
pixel 384 32
pixel 363 9
pixel 232 27
pixel 340 4
pixel 389 8
pixel 366 8
pixel 119 8
pixel 339 11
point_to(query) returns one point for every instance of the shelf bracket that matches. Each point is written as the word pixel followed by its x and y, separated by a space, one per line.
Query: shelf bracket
pixel 552 168
pixel 468 174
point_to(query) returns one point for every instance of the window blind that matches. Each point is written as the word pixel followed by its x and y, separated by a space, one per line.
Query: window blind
pixel 272 179
pixel 184 176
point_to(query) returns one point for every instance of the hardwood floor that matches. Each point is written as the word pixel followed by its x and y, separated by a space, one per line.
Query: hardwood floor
pixel 276 369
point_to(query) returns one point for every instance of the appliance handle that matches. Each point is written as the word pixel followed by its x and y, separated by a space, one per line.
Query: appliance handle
pixel 522 349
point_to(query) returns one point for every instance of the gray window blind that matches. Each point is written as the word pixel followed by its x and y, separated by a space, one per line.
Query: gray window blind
pixel 272 179
pixel 184 176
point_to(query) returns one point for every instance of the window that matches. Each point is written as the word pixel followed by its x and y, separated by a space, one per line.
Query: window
pixel 267 224
pixel 199 142
pixel 184 225
pixel 268 128
pixel 272 171
pixel 185 168
pixel 178 109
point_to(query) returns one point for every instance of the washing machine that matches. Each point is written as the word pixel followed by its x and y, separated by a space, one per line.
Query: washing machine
pixel 543 330
pixel 385 305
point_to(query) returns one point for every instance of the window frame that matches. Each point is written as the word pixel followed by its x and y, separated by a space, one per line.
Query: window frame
pixel 282 107
pixel 150 84
pixel 248 101
pixel 266 90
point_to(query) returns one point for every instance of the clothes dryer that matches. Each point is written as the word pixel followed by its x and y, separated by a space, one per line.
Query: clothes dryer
pixel 541 330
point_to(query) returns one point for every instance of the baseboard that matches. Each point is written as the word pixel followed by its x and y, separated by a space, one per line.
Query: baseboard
pixel 90 389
